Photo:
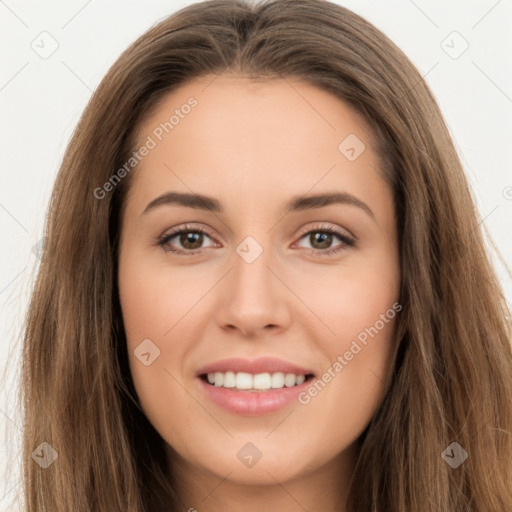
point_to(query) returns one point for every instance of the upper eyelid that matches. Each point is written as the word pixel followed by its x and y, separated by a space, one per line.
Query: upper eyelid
pixel 188 227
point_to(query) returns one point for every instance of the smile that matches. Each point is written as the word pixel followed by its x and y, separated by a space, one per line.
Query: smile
pixel 244 381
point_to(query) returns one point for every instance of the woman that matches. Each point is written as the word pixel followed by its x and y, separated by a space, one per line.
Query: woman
pixel 371 374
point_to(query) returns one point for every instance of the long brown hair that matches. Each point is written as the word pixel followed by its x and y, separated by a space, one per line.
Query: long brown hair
pixel 451 378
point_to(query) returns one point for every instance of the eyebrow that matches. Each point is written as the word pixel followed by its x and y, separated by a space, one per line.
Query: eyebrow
pixel 296 203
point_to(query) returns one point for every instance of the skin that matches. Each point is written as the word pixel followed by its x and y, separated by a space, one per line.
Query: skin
pixel 254 145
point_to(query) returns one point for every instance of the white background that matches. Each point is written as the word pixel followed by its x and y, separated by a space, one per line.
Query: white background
pixel 41 101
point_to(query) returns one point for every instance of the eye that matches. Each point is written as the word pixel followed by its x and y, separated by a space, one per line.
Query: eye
pixel 191 239
pixel 322 236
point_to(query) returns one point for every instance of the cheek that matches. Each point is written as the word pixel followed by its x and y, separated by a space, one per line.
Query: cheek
pixel 346 300
pixel 154 297
pixel 152 302
pixel 358 307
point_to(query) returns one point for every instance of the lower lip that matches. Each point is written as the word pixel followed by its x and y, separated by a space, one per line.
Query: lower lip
pixel 253 403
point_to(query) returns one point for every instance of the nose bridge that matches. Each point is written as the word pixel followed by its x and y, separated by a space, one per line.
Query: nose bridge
pixel 251 276
pixel 254 297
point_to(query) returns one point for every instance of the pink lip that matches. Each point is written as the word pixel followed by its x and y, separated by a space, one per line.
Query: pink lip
pixel 248 403
pixel 260 365
pixel 251 403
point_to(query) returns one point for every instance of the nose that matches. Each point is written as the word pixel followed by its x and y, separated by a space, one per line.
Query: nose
pixel 254 297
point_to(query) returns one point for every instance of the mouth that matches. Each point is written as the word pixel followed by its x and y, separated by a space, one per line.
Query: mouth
pixel 254 387
pixel 245 399
pixel 255 383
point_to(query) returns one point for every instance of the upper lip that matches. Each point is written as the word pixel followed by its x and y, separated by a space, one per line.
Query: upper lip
pixel 254 366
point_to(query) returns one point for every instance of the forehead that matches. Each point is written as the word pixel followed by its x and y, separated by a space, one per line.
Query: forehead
pixel 226 103
pixel 230 132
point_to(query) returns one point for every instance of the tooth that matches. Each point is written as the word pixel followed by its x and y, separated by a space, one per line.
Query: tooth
pixel 229 380
pixel 262 381
pixel 277 380
pixel 254 383
pixel 243 380
pixel 219 378
pixel 289 380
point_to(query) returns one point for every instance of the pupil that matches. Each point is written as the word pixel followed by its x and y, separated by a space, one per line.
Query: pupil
pixel 323 237
pixel 189 237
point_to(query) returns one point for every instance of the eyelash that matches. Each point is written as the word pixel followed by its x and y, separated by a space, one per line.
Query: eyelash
pixel 347 241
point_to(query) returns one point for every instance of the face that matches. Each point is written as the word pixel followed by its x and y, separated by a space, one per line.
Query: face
pixel 258 270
